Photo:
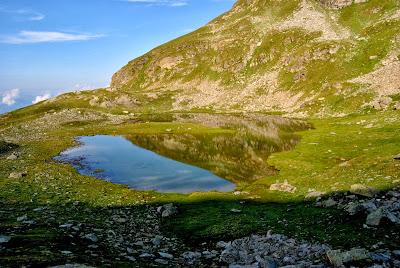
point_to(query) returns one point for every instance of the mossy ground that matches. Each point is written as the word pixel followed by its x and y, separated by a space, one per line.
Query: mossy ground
pixel 337 153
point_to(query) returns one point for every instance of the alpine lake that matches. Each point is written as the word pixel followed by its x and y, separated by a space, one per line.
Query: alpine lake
pixel 187 162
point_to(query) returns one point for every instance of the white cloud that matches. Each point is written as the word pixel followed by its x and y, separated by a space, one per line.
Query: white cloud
pixel 171 3
pixel 30 15
pixel 24 14
pixel 41 98
pixel 31 37
pixel 10 96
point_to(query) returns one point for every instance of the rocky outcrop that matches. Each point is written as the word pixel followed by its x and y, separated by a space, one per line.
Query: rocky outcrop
pixel 271 250
pixel 336 4
pixel 378 208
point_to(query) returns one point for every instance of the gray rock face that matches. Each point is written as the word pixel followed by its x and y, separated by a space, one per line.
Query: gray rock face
pixel 336 4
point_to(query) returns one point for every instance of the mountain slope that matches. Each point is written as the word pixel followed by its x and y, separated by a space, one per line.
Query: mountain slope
pixel 306 58
pixel 290 55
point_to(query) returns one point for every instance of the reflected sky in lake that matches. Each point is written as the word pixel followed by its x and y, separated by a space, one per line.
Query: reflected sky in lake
pixel 116 159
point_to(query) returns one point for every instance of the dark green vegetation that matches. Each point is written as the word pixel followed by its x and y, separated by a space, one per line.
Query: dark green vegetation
pixel 6 147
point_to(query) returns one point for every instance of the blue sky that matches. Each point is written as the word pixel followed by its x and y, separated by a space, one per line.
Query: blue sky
pixel 53 46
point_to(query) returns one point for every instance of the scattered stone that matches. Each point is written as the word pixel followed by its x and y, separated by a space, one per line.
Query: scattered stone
pixel 75 265
pixel 161 261
pixel 118 219
pixel 255 249
pixel 338 258
pixel 363 190
pixel 283 187
pixel 146 255
pixel 12 156
pixel 396 253
pixel 234 210
pixel 191 257
pixel 165 255
pixel 396 157
pixel 130 258
pixel 157 240
pixel 222 244
pixel 66 225
pixel 209 255
pixel 139 243
pixel 396 106
pixel 92 237
pixel 39 209
pixel 22 218
pixel 380 257
pixel 4 239
pixel 17 175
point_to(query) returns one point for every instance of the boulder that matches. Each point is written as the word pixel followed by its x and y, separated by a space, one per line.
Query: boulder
pixel 338 258
pixel 314 195
pixel 12 156
pixel 396 157
pixel 283 187
pixel 92 237
pixel 167 210
pixel 375 217
pixel 165 255
pixel 191 257
pixel 360 189
pixel 17 175
pixel 382 103
pixel 329 203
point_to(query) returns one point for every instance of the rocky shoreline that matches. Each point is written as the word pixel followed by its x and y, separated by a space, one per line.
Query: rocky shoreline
pixel 134 238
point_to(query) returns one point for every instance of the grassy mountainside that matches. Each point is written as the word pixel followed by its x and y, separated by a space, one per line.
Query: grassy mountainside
pixel 291 55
